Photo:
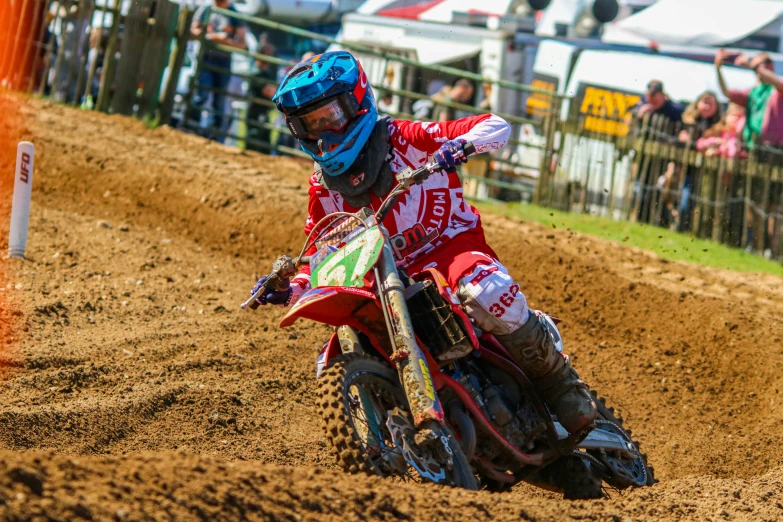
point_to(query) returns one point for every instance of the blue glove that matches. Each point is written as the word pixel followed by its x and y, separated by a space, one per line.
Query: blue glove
pixel 279 297
pixel 451 154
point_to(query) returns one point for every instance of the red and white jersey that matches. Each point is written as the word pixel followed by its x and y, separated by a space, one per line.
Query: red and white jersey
pixel 435 211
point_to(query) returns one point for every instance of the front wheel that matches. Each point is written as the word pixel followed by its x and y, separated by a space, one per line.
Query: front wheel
pixel 367 422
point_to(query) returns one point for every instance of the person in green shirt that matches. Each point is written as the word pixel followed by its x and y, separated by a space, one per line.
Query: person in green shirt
pixel 763 103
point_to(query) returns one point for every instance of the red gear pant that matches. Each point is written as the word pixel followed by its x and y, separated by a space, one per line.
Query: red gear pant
pixel 490 296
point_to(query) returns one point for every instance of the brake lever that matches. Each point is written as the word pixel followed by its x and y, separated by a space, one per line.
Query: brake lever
pixel 408 177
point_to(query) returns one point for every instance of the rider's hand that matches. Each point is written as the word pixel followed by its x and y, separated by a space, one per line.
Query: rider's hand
pixel 451 154
pixel 279 297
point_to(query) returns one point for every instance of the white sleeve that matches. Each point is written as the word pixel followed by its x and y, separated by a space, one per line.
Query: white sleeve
pixel 489 134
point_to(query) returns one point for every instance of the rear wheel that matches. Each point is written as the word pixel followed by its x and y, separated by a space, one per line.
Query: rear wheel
pixel 367 423
pixel 629 469
pixel 581 474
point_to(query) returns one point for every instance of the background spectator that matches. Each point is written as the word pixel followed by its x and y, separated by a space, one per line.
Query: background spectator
pixel 700 116
pixel 263 86
pixel 462 92
pixel 655 101
pixel 763 102
pixel 665 184
pixel 486 103
pixel 723 138
pixel 281 138
pixel 218 29
pixel 422 109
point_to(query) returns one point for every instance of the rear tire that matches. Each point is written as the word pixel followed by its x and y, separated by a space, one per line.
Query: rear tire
pixel 361 440
pixel 632 474
pixel 572 476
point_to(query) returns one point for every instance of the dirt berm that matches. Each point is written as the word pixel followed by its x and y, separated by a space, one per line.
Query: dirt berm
pixel 133 387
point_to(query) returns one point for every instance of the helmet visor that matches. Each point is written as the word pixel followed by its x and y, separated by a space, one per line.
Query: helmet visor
pixel 331 116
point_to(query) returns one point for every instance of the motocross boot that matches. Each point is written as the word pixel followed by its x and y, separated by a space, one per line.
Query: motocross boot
pixel 557 383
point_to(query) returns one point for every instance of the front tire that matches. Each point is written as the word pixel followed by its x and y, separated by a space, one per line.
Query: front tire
pixel 356 395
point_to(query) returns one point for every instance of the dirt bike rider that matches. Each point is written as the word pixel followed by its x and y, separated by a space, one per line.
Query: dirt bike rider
pixel 330 107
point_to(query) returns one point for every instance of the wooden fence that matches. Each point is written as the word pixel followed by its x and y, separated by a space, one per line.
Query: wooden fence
pixel 91 53
pixel 655 174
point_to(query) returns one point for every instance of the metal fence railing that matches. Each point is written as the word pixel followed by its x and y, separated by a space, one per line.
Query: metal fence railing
pixel 233 114
pixel 130 58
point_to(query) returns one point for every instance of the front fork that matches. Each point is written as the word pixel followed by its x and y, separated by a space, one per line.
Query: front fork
pixel 408 356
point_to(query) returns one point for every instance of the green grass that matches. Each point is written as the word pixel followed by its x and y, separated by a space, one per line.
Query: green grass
pixel 665 243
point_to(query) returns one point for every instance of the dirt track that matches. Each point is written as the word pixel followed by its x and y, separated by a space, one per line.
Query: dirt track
pixel 131 386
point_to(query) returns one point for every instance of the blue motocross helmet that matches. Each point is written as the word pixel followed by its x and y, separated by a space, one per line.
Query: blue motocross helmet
pixel 329 106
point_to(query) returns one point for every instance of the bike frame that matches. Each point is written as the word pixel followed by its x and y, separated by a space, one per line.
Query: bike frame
pixel 340 306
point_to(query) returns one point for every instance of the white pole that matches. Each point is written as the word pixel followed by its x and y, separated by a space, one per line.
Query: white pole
pixel 23 190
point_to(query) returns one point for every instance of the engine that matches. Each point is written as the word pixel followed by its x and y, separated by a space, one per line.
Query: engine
pixel 501 400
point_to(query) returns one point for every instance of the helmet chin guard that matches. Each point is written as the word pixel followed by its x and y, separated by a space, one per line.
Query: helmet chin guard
pixel 370 171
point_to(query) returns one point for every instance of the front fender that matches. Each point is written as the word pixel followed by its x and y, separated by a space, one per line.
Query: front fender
pixel 329 305
pixel 330 350
pixel 338 306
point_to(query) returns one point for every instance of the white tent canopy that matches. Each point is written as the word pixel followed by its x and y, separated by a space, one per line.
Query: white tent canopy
pixel 433 10
pixel 694 22
pixel 433 43
pixel 683 80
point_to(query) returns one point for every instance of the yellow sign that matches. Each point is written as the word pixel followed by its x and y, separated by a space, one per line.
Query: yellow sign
pixel 606 110
pixel 539 104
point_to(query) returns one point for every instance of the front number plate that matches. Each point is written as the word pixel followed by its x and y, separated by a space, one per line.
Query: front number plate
pixel 349 265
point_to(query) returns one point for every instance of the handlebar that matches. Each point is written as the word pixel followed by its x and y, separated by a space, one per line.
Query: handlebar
pixel 408 177
pixel 285 267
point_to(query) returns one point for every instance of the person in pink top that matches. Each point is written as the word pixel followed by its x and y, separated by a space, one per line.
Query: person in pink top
pixel 763 103
pixel 723 138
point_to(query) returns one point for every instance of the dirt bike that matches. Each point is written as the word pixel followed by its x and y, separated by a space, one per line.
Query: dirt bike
pixel 410 388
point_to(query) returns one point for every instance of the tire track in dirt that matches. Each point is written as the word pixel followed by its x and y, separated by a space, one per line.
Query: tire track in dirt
pixel 128 330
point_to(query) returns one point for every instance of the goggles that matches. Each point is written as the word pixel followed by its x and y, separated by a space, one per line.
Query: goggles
pixel 332 115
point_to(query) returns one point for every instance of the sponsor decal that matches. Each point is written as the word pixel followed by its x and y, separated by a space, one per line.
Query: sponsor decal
pixel 483 274
pixel 605 110
pixel 429 389
pixel 431 128
pixel 486 147
pixel 24 171
pixel 356 291
pixel 411 240
pixel 506 300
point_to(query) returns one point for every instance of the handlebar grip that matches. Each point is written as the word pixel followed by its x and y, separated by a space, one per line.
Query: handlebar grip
pixel 469 148
pixel 254 305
